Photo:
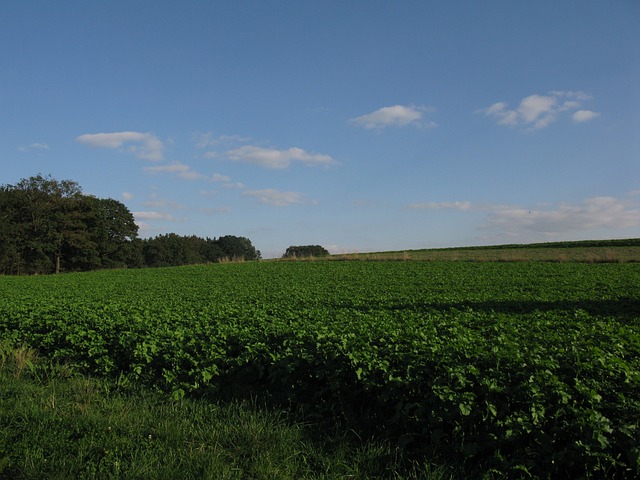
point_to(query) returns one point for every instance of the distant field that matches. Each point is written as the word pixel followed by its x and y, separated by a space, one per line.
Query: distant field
pixel 605 251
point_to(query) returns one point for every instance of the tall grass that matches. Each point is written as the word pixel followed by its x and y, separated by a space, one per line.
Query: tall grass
pixel 56 424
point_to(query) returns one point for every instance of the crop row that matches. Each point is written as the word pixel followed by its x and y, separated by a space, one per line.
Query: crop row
pixel 503 368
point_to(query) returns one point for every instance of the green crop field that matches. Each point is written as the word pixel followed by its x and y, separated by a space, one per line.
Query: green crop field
pixel 587 251
pixel 498 369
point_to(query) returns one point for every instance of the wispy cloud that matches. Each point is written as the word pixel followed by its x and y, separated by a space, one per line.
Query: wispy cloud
pixel 394 116
pixel 440 205
pixel 214 210
pixel 150 222
pixel 277 159
pixel 539 111
pixel 185 172
pixel 591 214
pixel 208 140
pixel 153 216
pixel 34 146
pixel 549 221
pixel 176 168
pixel 216 177
pixel 237 148
pixel 275 197
pixel 145 146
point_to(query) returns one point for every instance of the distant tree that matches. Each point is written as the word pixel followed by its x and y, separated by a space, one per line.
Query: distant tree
pixel 211 251
pixel 238 247
pixel 167 250
pixel 305 251
pixel 173 250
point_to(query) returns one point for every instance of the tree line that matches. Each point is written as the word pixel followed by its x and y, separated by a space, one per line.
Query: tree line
pixel 304 251
pixel 50 226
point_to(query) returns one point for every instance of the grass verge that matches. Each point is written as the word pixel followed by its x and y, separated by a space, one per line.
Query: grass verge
pixel 57 424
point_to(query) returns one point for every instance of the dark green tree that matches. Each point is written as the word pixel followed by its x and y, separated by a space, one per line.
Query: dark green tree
pixel 238 247
pixel 211 251
pixel 11 258
pixel 172 250
pixel 165 251
pixel 49 226
pixel 41 205
pixel 112 227
pixel 301 251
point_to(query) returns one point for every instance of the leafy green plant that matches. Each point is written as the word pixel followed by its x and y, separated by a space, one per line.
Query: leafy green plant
pixel 507 369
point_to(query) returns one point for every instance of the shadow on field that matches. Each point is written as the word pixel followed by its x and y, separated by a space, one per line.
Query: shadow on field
pixel 626 309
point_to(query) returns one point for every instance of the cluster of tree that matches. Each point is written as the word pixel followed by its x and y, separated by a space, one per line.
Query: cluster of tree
pixel 305 251
pixel 172 250
pixel 49 226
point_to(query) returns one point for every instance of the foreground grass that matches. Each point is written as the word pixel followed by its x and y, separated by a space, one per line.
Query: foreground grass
pixel 56 424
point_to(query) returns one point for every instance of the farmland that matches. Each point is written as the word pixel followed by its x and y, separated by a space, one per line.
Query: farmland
pixel 498 368
pixel 588 251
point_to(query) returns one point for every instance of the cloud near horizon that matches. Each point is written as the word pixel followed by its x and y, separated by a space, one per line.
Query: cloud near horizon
pixel 396 115
pixel 590 214
pixel 145 146
pixel 549 220
pixel 277 159
pixel 539 111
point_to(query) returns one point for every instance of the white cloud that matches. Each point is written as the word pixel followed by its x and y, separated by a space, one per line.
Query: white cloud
pixel 159 203
pixel 128 196
pixel 440 205
pixel 34 146
pixel 539 111
pixel 153 216
pixel 277 159
pixel 549 221
pixel 584 115
pixel 275 197
pixel 578 95
pixel 216 177
pixel 185 172
pixel 178 169
pixel 266 157
pixel 204 140
pixel 208 193
pixel 143 145
pixel 396 115
pixel 591 214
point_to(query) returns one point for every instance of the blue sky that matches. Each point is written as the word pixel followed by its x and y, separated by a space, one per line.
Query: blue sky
pixel 357 125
